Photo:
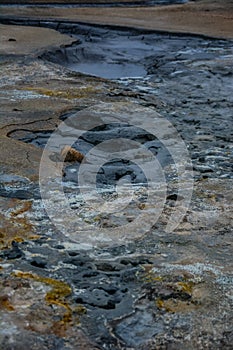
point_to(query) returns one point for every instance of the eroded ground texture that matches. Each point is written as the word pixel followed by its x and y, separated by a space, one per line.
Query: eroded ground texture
pixel 114 286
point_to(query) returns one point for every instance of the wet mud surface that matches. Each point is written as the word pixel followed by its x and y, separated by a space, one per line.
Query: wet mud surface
pixel 157 67
pixel 156 290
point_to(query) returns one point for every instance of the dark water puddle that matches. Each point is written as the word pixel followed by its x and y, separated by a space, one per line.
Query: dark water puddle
pixel 109 70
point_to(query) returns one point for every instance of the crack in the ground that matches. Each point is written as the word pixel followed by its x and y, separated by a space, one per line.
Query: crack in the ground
pixel 20 124
pixel 28 157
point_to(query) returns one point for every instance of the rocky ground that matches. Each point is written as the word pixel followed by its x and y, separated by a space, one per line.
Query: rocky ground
pixel 114 286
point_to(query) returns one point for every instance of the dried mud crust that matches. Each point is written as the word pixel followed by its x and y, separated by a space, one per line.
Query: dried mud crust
pixel 16 40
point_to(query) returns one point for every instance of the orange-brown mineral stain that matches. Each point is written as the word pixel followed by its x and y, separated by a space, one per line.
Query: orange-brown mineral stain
pixel 5 303
pixel 69 154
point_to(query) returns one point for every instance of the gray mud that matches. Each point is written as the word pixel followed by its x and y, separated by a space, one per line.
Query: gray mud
pixel 191 75
pixel 115 54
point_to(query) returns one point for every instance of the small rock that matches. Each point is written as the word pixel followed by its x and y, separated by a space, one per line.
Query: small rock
pixel 14 253
pixel 59 246
pixel 70 154
pixel 37 261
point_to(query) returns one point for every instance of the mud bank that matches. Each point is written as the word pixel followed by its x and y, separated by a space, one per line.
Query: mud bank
pixel 145 290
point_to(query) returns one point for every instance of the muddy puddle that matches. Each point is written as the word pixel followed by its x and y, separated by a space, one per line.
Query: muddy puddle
pixel 115 54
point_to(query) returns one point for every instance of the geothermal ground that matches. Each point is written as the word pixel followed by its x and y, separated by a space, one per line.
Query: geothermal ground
pixel 146 264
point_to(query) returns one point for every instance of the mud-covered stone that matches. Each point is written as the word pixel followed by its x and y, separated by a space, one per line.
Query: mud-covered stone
pixel 38 262
pixel 14 253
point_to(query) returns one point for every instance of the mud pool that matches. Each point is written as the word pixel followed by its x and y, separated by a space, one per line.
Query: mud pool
pixel 154 291
pixel 115 54
pixel 191 76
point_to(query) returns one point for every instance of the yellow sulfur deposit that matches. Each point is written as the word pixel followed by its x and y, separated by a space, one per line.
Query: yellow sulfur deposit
pixel 16 226
pixel 56 296
pixel 67 94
